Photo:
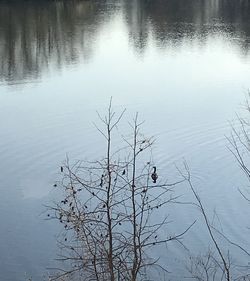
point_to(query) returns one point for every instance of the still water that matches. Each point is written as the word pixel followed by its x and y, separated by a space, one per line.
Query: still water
pixel 183 65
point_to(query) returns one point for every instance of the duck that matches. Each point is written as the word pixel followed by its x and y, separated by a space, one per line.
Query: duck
pixel 154 175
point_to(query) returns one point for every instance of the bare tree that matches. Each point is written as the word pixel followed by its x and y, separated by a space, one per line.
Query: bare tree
pixel 239 141
pixel 114 210
pixel 217 264
pixel 209 263
pixel 205 267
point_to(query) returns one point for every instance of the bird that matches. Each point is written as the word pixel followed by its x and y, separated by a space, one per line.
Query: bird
pixel 61 169
pixel 154 175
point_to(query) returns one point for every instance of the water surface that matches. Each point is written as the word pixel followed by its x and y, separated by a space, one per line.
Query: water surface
pixel 183 65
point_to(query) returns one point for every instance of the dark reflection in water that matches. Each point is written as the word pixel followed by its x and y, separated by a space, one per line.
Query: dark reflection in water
pixel 171 22
pixel 39 34
pixel 36 35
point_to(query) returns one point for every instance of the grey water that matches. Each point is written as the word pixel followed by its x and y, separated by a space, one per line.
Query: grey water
pixel 183 65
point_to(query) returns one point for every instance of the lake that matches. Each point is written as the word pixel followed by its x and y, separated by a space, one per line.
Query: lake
pixel 184 65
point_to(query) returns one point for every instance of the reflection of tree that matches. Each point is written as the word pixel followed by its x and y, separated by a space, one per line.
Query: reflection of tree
pixel 138 25
pixel 37 35
pixel 171 21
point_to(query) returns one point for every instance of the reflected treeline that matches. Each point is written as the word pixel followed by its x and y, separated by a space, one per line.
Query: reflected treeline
pixel 173 21
pixel 38 35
